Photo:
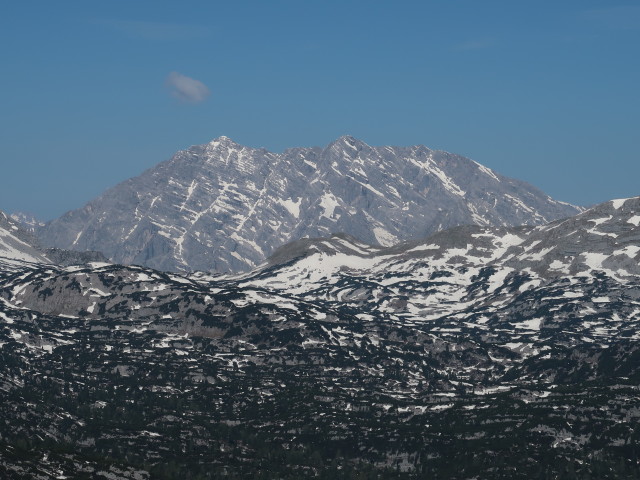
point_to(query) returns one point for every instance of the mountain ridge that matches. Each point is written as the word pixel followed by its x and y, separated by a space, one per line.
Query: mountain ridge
pixel 225 207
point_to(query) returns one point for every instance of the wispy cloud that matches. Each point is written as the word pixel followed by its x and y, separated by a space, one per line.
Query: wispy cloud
pixel 157 30
pixel 623 17
pixel 186 89
pixel 474 45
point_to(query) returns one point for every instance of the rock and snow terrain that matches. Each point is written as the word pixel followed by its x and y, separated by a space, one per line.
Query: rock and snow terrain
pixel 27 221
pixel 513 350
pixel 224 207
pixel 17 245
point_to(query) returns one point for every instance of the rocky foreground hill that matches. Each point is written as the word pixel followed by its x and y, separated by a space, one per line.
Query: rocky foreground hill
pixel 225 207
pixel 479 352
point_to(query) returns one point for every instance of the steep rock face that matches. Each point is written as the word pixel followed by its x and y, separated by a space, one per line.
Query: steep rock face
pixel 225 207
pixel 66 258
pixel 27 221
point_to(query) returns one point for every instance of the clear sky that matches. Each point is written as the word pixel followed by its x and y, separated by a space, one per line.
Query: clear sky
pixel 96 92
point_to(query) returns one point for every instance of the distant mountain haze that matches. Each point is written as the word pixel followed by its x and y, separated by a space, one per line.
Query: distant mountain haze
pixel 20 247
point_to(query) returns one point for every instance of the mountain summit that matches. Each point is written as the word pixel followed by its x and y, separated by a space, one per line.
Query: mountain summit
pixel 224 207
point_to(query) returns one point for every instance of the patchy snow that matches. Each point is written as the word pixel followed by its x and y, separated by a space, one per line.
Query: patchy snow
pixel 599 221
pixel 504 243
pixel 180 279
pixel 362 249
pixel 383 237
pixel 5 318
pixel 530 284
pixel 535 256
pixel 15 249
pixel 532 324
pixel 77 237
pixel 497 279
pixel 486 171
pixel 629 250
pixel 558 265
pixel 441 407
pixel 572 294
pixel 143 277
pixel 292 207
pixel 96 265
pixel 521 204
pixel 447 182
pixel 424 248
pixel 594 260
pixel 618 202
pixel 635 220
pixel 265 298
pixel 190 191
pixel 312 269
pixel 328 202
pixel 248 242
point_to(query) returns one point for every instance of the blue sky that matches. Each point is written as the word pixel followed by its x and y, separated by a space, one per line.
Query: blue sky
pixel 96 92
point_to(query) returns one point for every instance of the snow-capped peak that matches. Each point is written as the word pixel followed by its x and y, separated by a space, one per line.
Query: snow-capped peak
pixel 223 141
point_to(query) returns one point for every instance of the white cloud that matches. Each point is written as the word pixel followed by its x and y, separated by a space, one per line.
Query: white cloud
pixel 187 89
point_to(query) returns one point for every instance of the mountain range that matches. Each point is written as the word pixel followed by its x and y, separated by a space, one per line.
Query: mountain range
pixel 225 207
pixel 513 350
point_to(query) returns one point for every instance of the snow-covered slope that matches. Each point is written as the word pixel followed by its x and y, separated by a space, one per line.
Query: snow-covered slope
pixel 225 207
pixel 461 268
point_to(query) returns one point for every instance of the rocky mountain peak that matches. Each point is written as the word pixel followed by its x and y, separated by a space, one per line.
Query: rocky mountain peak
pixel 347 144
pixel 225 207
pixel 222 141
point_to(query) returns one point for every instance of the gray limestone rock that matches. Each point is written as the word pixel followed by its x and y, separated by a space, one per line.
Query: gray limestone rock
pixel 67 258
pixel 225 207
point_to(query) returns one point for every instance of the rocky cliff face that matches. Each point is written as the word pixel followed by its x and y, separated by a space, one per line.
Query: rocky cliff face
pixel 225 207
